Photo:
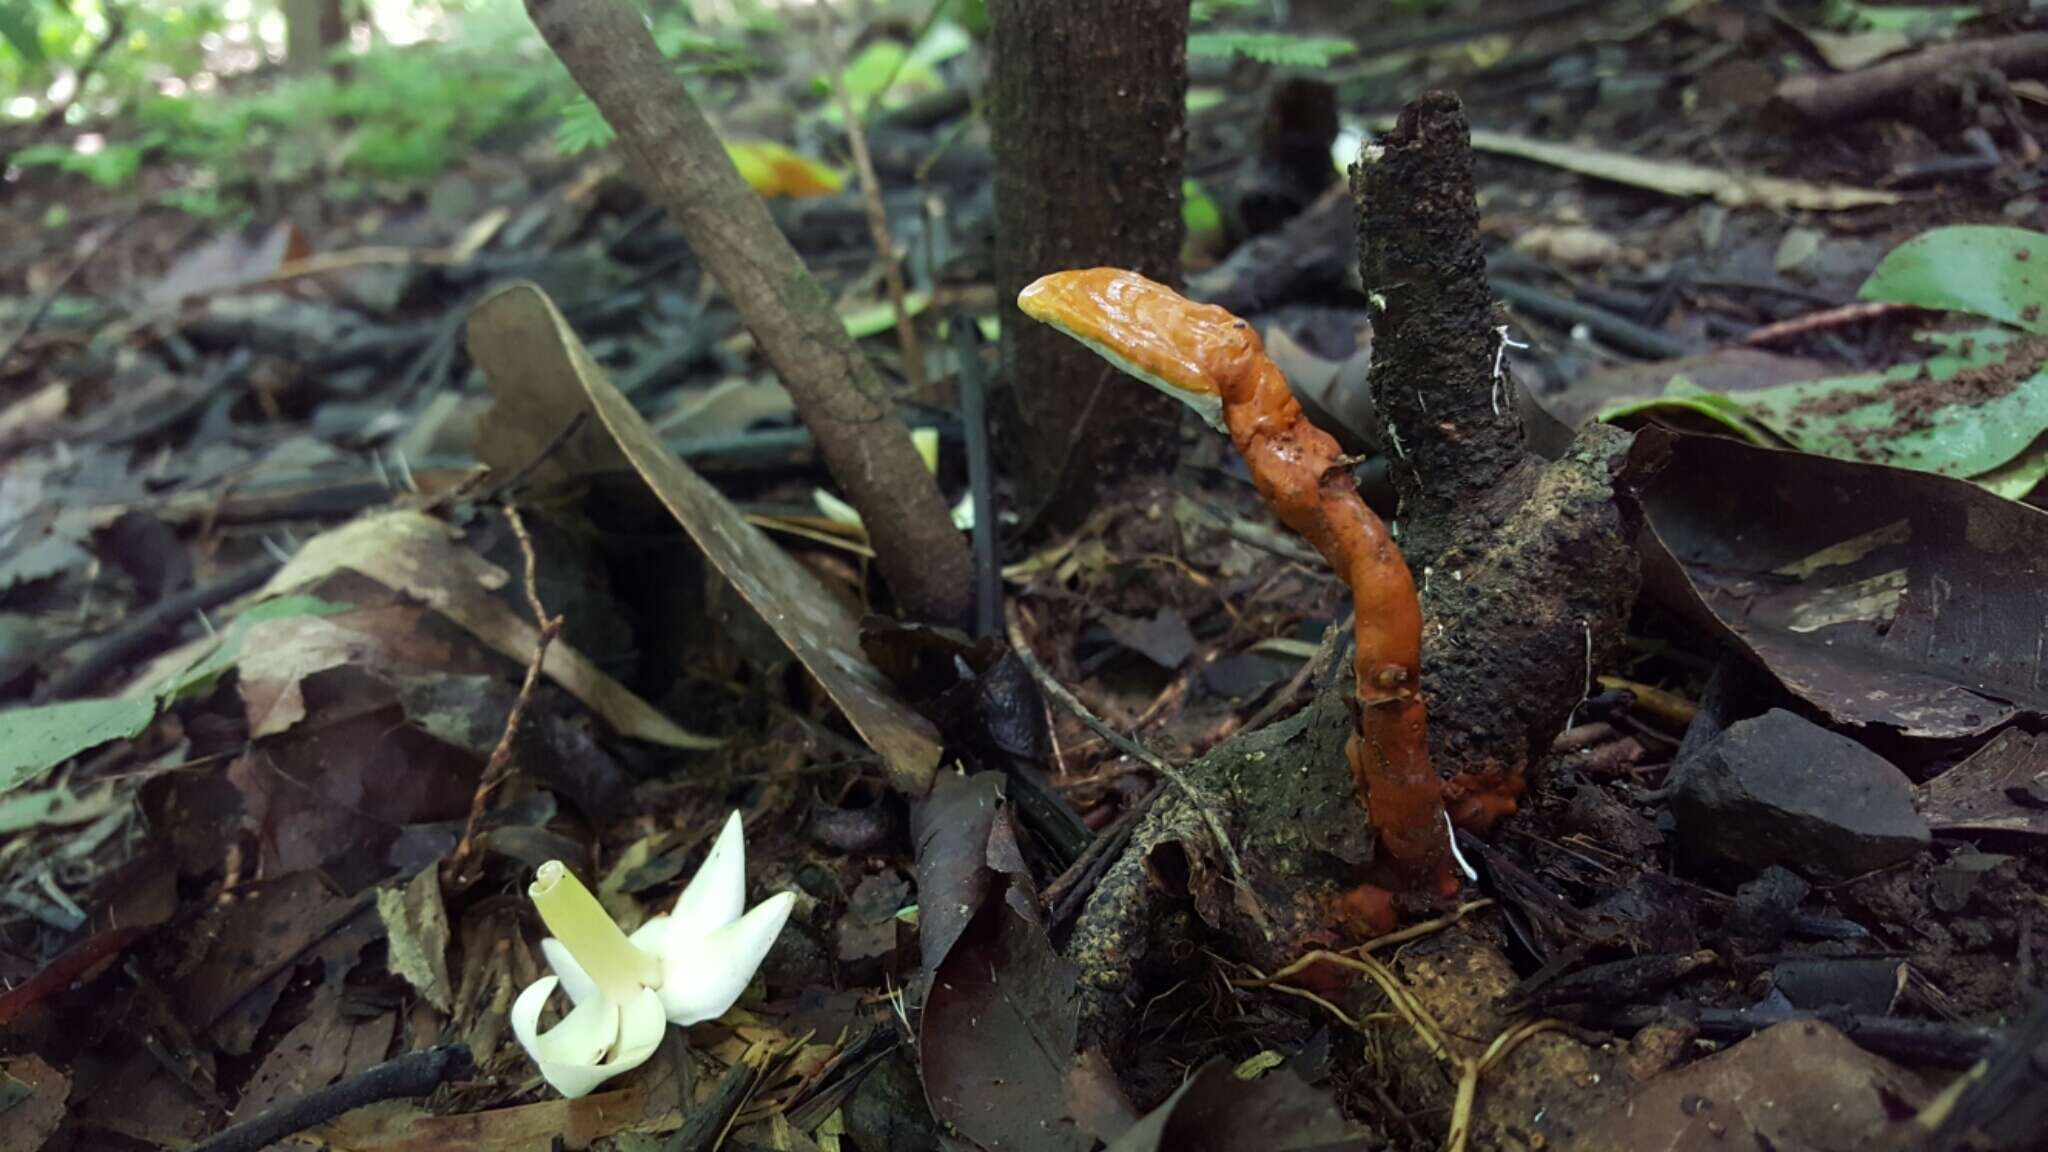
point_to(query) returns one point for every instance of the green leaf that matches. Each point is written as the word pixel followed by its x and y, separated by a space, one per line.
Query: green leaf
pixel 875 319
pixel 1970 409
pixel 972 14
pixel 42 156
pixel 941 42
pixel 200 678
pixel 1687 401
pixel 1985 270
pixel 1280 49
pixel 884 71
pixel 35 740
pixel 2018 476
pixel 1199 212
pixel 1917 20
pixel 399 151
pixel 22 30
pixel 1204 11
pixel 582 128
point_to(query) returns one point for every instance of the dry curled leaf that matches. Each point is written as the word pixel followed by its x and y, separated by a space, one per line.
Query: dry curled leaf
pixel 544 379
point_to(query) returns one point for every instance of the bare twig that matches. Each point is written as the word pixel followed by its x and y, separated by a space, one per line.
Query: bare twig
pixel 117 29
pixel 878 217
pixel 1826 98
pixel 1063 897
pixel 704 1124
pixel 988 576
pixel 43 306
pixel 499 765
pixel 1129 747
pixel 413 1074
pixel 1823 320
pixel 138 635
pixel 506 490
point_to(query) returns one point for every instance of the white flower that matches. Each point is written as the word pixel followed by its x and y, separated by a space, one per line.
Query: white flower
pixel 687 966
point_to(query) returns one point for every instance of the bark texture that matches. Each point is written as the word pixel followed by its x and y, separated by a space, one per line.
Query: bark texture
pixel 678 158
pixel 1527 569
pixel 1088 107
pixel 1459 438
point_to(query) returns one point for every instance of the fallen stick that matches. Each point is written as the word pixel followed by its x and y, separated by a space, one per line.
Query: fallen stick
pixel 413 1074
pixel 139 634
pixel 1853 94
pixel 1823 320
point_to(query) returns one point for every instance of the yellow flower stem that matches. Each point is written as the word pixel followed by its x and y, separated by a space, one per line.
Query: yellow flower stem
pixel 614 963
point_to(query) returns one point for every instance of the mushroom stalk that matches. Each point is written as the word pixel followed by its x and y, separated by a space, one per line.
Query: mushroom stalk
pixel 587 931
pixel 1213 361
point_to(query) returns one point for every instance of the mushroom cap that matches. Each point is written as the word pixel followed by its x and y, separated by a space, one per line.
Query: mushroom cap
pixel 1190 351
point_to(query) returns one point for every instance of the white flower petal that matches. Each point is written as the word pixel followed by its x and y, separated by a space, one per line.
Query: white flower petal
pixel 702 977
pixel 526 1010
pixel 651 935
pixel 584 1036
pixel 565 1054
pixel 642 1024
pixel 717 894
pixel 575 981
pixel 572 1078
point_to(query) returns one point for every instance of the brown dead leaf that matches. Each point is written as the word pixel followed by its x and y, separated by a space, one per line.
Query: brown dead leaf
pixel 414 553
pixel 225 261
pixel 1678 178
pixel 1878 595
pixel 998 1034
pixel 127 905
pixel 265 931
pixel 544 378
pixel 328 1044
pixel 649 1104
pixel 32 1096
pixel 33 414
pixel 416 924
pixel 1216 1111
pixel 1800 1084
pixel 2000 789
pixel 278 655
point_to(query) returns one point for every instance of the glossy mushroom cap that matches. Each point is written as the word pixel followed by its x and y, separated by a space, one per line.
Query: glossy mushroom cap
pixel 1192 352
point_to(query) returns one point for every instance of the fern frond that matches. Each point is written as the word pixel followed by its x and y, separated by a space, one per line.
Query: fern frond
pixel 1281 49
pixel 582 128
pixel 1204 11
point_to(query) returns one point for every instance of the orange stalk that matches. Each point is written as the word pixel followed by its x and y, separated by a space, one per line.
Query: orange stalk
pixel 1213 361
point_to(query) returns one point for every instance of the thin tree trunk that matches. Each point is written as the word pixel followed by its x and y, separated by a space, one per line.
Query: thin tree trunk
pixel 312 29
pixel 679 160
pixel 1088 107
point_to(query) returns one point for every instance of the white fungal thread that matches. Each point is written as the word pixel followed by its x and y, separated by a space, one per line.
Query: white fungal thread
pixel 1500 355
pixel 1451 830
pixel 1572 721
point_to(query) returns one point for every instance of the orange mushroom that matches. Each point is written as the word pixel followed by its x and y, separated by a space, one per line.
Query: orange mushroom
pixel 1213 361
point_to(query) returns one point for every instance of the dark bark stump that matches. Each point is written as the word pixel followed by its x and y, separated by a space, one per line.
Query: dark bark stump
pixel 1088 107
pixel 1527 569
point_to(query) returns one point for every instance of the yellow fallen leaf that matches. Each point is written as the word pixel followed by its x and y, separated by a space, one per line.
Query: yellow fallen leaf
pixel 775 171
pixel 1733 188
